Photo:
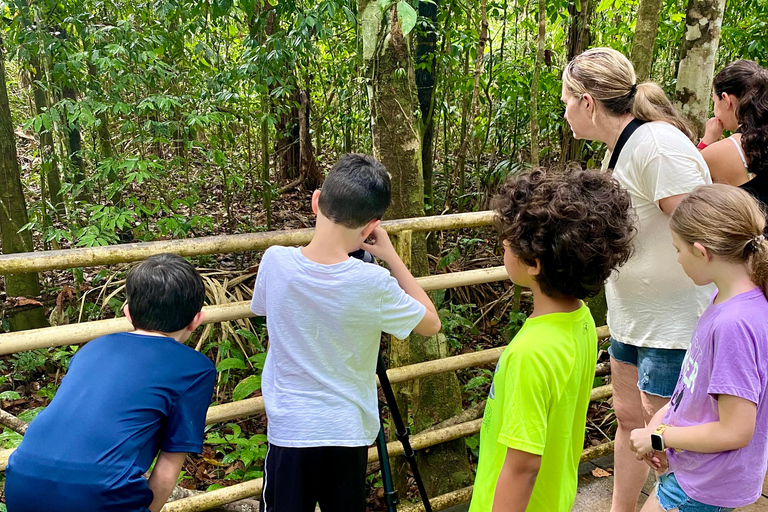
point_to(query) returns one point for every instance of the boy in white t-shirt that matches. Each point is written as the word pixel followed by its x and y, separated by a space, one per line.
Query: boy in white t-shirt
pixel 325 315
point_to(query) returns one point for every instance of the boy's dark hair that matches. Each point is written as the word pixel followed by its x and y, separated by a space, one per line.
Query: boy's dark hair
pixel 579 224
pixel 356 191
pixel 164 293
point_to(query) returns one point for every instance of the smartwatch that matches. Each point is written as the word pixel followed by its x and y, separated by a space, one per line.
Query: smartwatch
pixel 657 438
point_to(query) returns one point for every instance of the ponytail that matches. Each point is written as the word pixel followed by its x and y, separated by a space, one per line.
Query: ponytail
pixel 752 114
pixel 758 264
pixel 608 76
pixel 651 104
pixel 729 223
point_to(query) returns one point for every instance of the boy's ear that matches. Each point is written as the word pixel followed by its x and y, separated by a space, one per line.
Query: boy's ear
pixel 195 323
pixel 127 313
pixel 368 229
pixel 535 270
pixel 315 201
pixel 700 251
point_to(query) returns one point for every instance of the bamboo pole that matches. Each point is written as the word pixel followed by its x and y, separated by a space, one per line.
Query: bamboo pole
pixel 75 334
pixel 444 501
pixel 124 253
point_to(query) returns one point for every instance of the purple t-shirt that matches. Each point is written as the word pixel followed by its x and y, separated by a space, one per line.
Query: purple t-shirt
pixel 728 356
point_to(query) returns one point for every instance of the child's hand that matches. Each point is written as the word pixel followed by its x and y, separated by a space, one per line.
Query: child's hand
pixel 381 247
pixel 640 442
pixel 713 131
pixel 657 461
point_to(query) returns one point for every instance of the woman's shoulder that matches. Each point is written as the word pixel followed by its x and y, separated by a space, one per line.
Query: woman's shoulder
pixel 725 164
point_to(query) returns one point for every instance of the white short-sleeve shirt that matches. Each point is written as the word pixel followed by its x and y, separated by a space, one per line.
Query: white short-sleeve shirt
pixel 651 302
pixel 324 324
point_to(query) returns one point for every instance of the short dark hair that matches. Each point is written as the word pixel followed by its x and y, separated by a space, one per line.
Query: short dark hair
pixel 579 224
pixel 164 293
pixel 356 191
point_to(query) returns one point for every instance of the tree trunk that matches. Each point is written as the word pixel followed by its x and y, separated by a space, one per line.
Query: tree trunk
pixel 535 83
pixel 397 144
pixel 646 27
pixel 426 42
pixel 578 39
pixel 13 216
pixel 697 60
pixel 50 169
pixel 483 37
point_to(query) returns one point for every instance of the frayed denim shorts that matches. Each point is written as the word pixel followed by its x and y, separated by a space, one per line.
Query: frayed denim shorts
pixel 671 496
pixel 657 368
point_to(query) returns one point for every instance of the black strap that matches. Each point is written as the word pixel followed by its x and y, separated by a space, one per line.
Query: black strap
pixel 626 133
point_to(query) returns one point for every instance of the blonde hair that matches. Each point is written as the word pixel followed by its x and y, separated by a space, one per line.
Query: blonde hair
pixel 729 223
pixel 608 76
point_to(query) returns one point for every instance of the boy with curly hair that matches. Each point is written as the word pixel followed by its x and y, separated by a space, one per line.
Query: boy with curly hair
pixel 563 235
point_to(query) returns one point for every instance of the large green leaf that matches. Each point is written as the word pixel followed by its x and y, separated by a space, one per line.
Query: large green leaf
pixel 246 386
pixel 230 363
pixel 407 16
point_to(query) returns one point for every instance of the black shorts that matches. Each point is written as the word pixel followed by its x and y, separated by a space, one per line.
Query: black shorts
pixel 298 479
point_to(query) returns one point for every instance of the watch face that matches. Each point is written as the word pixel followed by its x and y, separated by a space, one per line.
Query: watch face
pixel 657 442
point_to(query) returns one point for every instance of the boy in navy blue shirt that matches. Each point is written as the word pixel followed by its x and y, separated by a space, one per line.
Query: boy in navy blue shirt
pixel 126 397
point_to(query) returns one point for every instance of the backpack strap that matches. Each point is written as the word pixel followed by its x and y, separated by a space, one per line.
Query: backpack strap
pixel 626 133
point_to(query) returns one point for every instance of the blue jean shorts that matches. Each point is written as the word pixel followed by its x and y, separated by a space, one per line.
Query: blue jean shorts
pixel 657 368
pixel 672 496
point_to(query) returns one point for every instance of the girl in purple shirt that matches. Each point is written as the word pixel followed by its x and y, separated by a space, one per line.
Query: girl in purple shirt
pixel 711 440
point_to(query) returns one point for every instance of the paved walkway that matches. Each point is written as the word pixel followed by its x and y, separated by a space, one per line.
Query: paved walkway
pixel 595 492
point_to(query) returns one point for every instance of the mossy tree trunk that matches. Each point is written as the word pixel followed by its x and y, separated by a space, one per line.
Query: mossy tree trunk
pixel 540 44
pixel 646 27
pixel 390 79
pixel 13 215
pixel 577 40
pixel 697 59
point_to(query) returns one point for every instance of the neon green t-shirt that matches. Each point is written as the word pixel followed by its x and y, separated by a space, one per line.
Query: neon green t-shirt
pixel 538 404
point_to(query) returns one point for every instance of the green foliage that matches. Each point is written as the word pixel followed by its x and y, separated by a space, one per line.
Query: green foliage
pixel 250 450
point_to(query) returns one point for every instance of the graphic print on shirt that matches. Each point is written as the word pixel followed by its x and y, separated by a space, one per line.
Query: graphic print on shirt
pixel 688 373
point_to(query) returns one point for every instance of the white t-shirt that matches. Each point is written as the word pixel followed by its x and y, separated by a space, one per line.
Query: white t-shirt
pixel 651 302
pixel 324 324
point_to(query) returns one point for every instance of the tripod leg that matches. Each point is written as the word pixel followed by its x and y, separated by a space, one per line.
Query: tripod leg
pixel 390 494
pixel 401 431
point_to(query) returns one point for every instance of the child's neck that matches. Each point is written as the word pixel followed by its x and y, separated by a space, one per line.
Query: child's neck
pixel 731 279
pixel 175 335
pixel 546 304
pixel 331 242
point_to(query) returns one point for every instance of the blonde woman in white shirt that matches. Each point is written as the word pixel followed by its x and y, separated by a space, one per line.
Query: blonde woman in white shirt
pixel 652 306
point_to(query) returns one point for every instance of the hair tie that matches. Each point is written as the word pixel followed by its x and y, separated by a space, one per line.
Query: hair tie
pixel 632 90
pixel 756 241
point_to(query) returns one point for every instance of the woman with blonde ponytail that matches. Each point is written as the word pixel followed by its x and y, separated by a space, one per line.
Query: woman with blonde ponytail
pixel 652 306
pixel 715 429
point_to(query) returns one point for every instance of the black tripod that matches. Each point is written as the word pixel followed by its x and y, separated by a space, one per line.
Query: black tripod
pixel 401 432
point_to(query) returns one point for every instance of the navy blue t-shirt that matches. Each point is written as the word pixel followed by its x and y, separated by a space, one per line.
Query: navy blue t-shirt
pixel 125 397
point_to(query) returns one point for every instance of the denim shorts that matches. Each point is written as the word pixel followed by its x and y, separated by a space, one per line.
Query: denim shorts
pixel 671 496
pixel 657 368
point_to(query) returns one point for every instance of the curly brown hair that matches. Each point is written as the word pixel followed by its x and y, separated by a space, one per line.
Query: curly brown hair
pixel 578 223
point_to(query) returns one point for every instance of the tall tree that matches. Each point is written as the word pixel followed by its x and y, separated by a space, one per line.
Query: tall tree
pixel 646 27
pixel 540 43
pixel 426 42
pixel 697 59
pixel 390 80
pixel 577 40
pixel 13 216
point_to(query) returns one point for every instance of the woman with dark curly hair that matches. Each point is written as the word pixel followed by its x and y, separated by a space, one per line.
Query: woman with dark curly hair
pixel 563 235
pixel 740 96
pixel 652 306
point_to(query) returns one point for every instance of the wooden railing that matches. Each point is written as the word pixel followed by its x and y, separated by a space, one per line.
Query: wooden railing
pixel 83 332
